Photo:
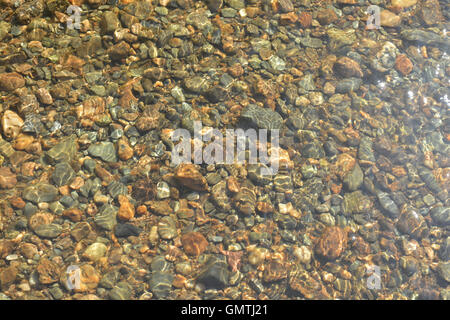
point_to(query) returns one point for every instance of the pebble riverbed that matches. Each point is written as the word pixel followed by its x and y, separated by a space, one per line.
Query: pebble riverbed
pixel 359 207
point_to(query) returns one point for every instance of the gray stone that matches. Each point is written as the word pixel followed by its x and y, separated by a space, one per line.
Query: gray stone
pixel 103 150
pixel 63 174
pixel 161 284
pixel 166 228
pixel 215 274
pixel 354 179
pixel 441 216
pixel 106 218
pixel 41 192
pixel 63 151
pixel 50 231
pixel 262 118
pixel 444 270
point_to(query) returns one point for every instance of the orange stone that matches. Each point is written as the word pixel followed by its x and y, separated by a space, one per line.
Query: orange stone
pixel 305 19
pixel 142 210
pixel 332 243
pixel 194 243
pixel 77 183
pixel 126 210
pixel 73 214
pixel 188 175
pixel 124 150
pixel 11 81
pixel 179 281
pixel 17 202
pixel 7 179
pixel 403 64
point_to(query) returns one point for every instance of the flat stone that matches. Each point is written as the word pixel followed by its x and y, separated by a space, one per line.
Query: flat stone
pixel 106 218
pixel 63 174
pixel 103 150
pixel 262 118
pixel 215 274
pixel 40 193
pixel 63 151
pixel 50 231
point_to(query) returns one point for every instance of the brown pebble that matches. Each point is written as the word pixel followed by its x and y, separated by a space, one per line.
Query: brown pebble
pixel 403 64
pixel 11 81
pixel 347 68
pixel 7 276
pixel 124 150
pixel 77 183
pixel 17 202
pixel 7 179
pixel 126 210
pixel 194 243
pixel 74 214
pixel 332 242
pixel 305 19
pixel 141 210
pixel 188 175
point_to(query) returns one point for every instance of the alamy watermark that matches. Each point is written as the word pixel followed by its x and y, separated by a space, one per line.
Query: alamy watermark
pixel 251 146
pixel 74 12
pixel 73 277
pixel 374 278
pixel 374 20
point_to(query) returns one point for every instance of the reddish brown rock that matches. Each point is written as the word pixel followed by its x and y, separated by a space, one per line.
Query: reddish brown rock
pixel 194 243
pixel 119 51
pixel 7 179
pixel 91 109
pixel 48 271
pixel 126 210
pixel 17 202
pixel 124 151
pixel 148 121
pixel 74 214
pixel 332 243
pixel 326 16
pixel 188 175
pixel 6 247
pixel 305 19
pixel 11 81
pixel 288 18
pixel 44 96
pixel 347 68
pixel 403 64
pixel 8 276
pixel 28 250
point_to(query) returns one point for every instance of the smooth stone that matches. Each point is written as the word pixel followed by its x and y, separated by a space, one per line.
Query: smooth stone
pixel 103 150
pixel 95 251
pixel 354 179
pixel 48 230
pixel 123 291
pixel 440 215
pixel 124 230
pixel 63 174
pixel 215 274
pixel 161 284
pixel 106 218
pixel 63 151
pixel 40 193
pixel 262 118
